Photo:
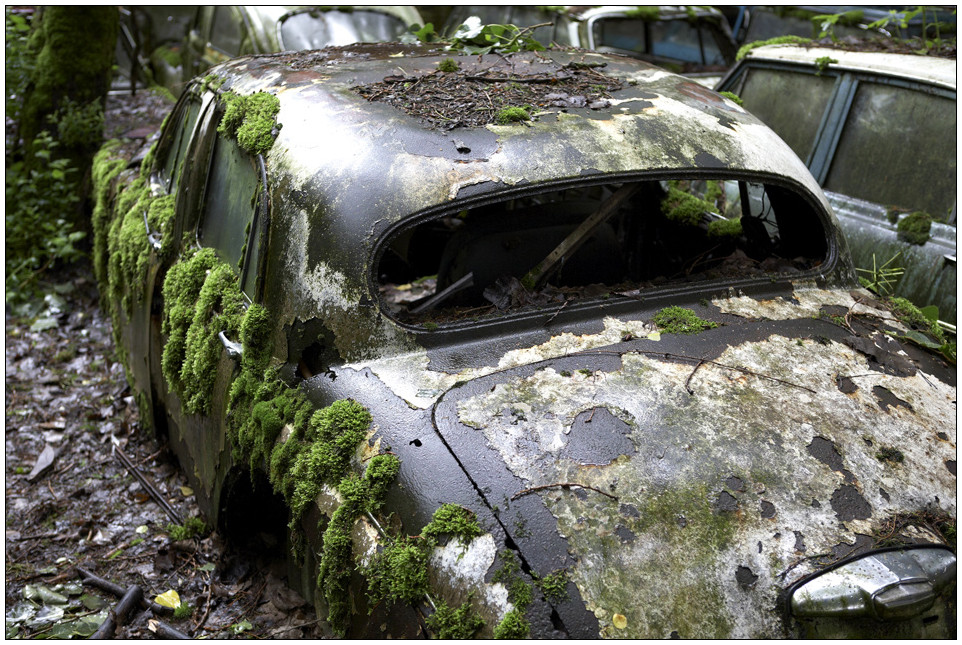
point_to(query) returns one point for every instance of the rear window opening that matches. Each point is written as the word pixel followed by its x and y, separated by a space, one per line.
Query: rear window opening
pixel 543 250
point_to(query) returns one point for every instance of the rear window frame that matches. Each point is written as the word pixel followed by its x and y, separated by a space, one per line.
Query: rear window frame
pixel 833 263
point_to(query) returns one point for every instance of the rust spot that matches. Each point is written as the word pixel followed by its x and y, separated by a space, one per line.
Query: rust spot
pixel 735 484
pixel 768 510
pixel 746 577
pixel 849 504
pixel 826 452
pixel 886 399
pixel 846 385
pixel 799 541
pixel 726 502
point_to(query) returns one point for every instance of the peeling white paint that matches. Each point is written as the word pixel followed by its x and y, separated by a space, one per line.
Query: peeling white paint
pixel 688 445
pixel 408 376
pixel 464 567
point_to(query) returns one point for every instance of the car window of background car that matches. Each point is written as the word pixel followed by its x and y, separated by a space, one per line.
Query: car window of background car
pixel 314 29
pixel 178 146
pixel 624 34
pixel 790 103
pixel 230 200
pixel 225 34
pixel 681 40
pixel 889 123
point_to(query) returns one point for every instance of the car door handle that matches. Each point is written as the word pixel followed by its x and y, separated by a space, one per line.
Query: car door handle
pixel 153 238
pixel 234 350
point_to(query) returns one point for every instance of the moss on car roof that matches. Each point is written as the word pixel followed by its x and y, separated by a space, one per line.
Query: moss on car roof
pixel 468 98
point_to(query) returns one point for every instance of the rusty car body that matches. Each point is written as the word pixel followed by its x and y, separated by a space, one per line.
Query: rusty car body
pixel 877 131
pixel 386 321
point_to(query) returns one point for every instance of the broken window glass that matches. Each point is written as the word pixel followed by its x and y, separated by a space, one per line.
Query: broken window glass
pixel 595 241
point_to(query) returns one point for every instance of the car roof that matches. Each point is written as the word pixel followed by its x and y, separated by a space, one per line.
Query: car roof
pixel 929 69
pixel 377 165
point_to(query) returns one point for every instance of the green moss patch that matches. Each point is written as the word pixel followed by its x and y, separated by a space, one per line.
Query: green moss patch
pixel 107 164
pixel 397 575
pixel 513 625
pixel 201 299
pixel 913 317
pixel 914 228
pixel 678 320
pixel 252 120
pixel 399 571
pixel 778 40
pixel 460 623
pixel 684 208
pixel 192 527
pixel 648 13
pixel 823 62
pixel 453 520
pixel 449 65
pixel 554 586
pixel 725 228
pixel 512 115
pixel 733 97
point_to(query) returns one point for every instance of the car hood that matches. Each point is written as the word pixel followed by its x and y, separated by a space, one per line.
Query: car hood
pixel 670 475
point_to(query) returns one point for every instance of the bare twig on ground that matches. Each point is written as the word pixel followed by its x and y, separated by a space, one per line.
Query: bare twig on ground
pixel 148 485
pixel 118 614
pixel 163 630
pixel 560 485
pixel 113 588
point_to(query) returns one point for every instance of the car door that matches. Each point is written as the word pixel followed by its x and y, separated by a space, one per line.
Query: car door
pixel 221 206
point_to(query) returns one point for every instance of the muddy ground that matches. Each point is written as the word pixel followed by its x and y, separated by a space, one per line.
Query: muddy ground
pixel 71 503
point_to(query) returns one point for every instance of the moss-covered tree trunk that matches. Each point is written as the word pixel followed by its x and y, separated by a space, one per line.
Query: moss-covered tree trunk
pixel 67 91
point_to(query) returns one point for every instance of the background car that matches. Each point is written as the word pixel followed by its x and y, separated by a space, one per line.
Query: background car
pixel 877 131
pixel 214 33
pixel 690 40
pixel 760 22
pixel 594 367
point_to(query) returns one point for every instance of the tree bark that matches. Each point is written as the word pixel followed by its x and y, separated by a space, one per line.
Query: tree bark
pixel 67 92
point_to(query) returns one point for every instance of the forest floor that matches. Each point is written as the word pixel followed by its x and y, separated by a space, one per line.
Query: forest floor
pixel 72 505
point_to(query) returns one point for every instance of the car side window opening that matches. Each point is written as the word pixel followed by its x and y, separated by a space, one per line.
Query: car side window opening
pixel 886 123
pixel 600 241
pixel 681 40
pixel 225 33
pixel 230 200
pixel 621 34
pixel 790 103
pixel 314 28
pixel 176 151
pixel 671 39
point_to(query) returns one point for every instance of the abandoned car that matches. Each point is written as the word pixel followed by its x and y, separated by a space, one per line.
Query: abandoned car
pixel 548 344
pixel 219 32
pixel 691 40
pixel 877 130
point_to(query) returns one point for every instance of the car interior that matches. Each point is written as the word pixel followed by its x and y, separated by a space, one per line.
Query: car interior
pixel 594 241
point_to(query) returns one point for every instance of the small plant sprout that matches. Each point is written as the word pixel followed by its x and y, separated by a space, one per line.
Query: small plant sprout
pixel 881 280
